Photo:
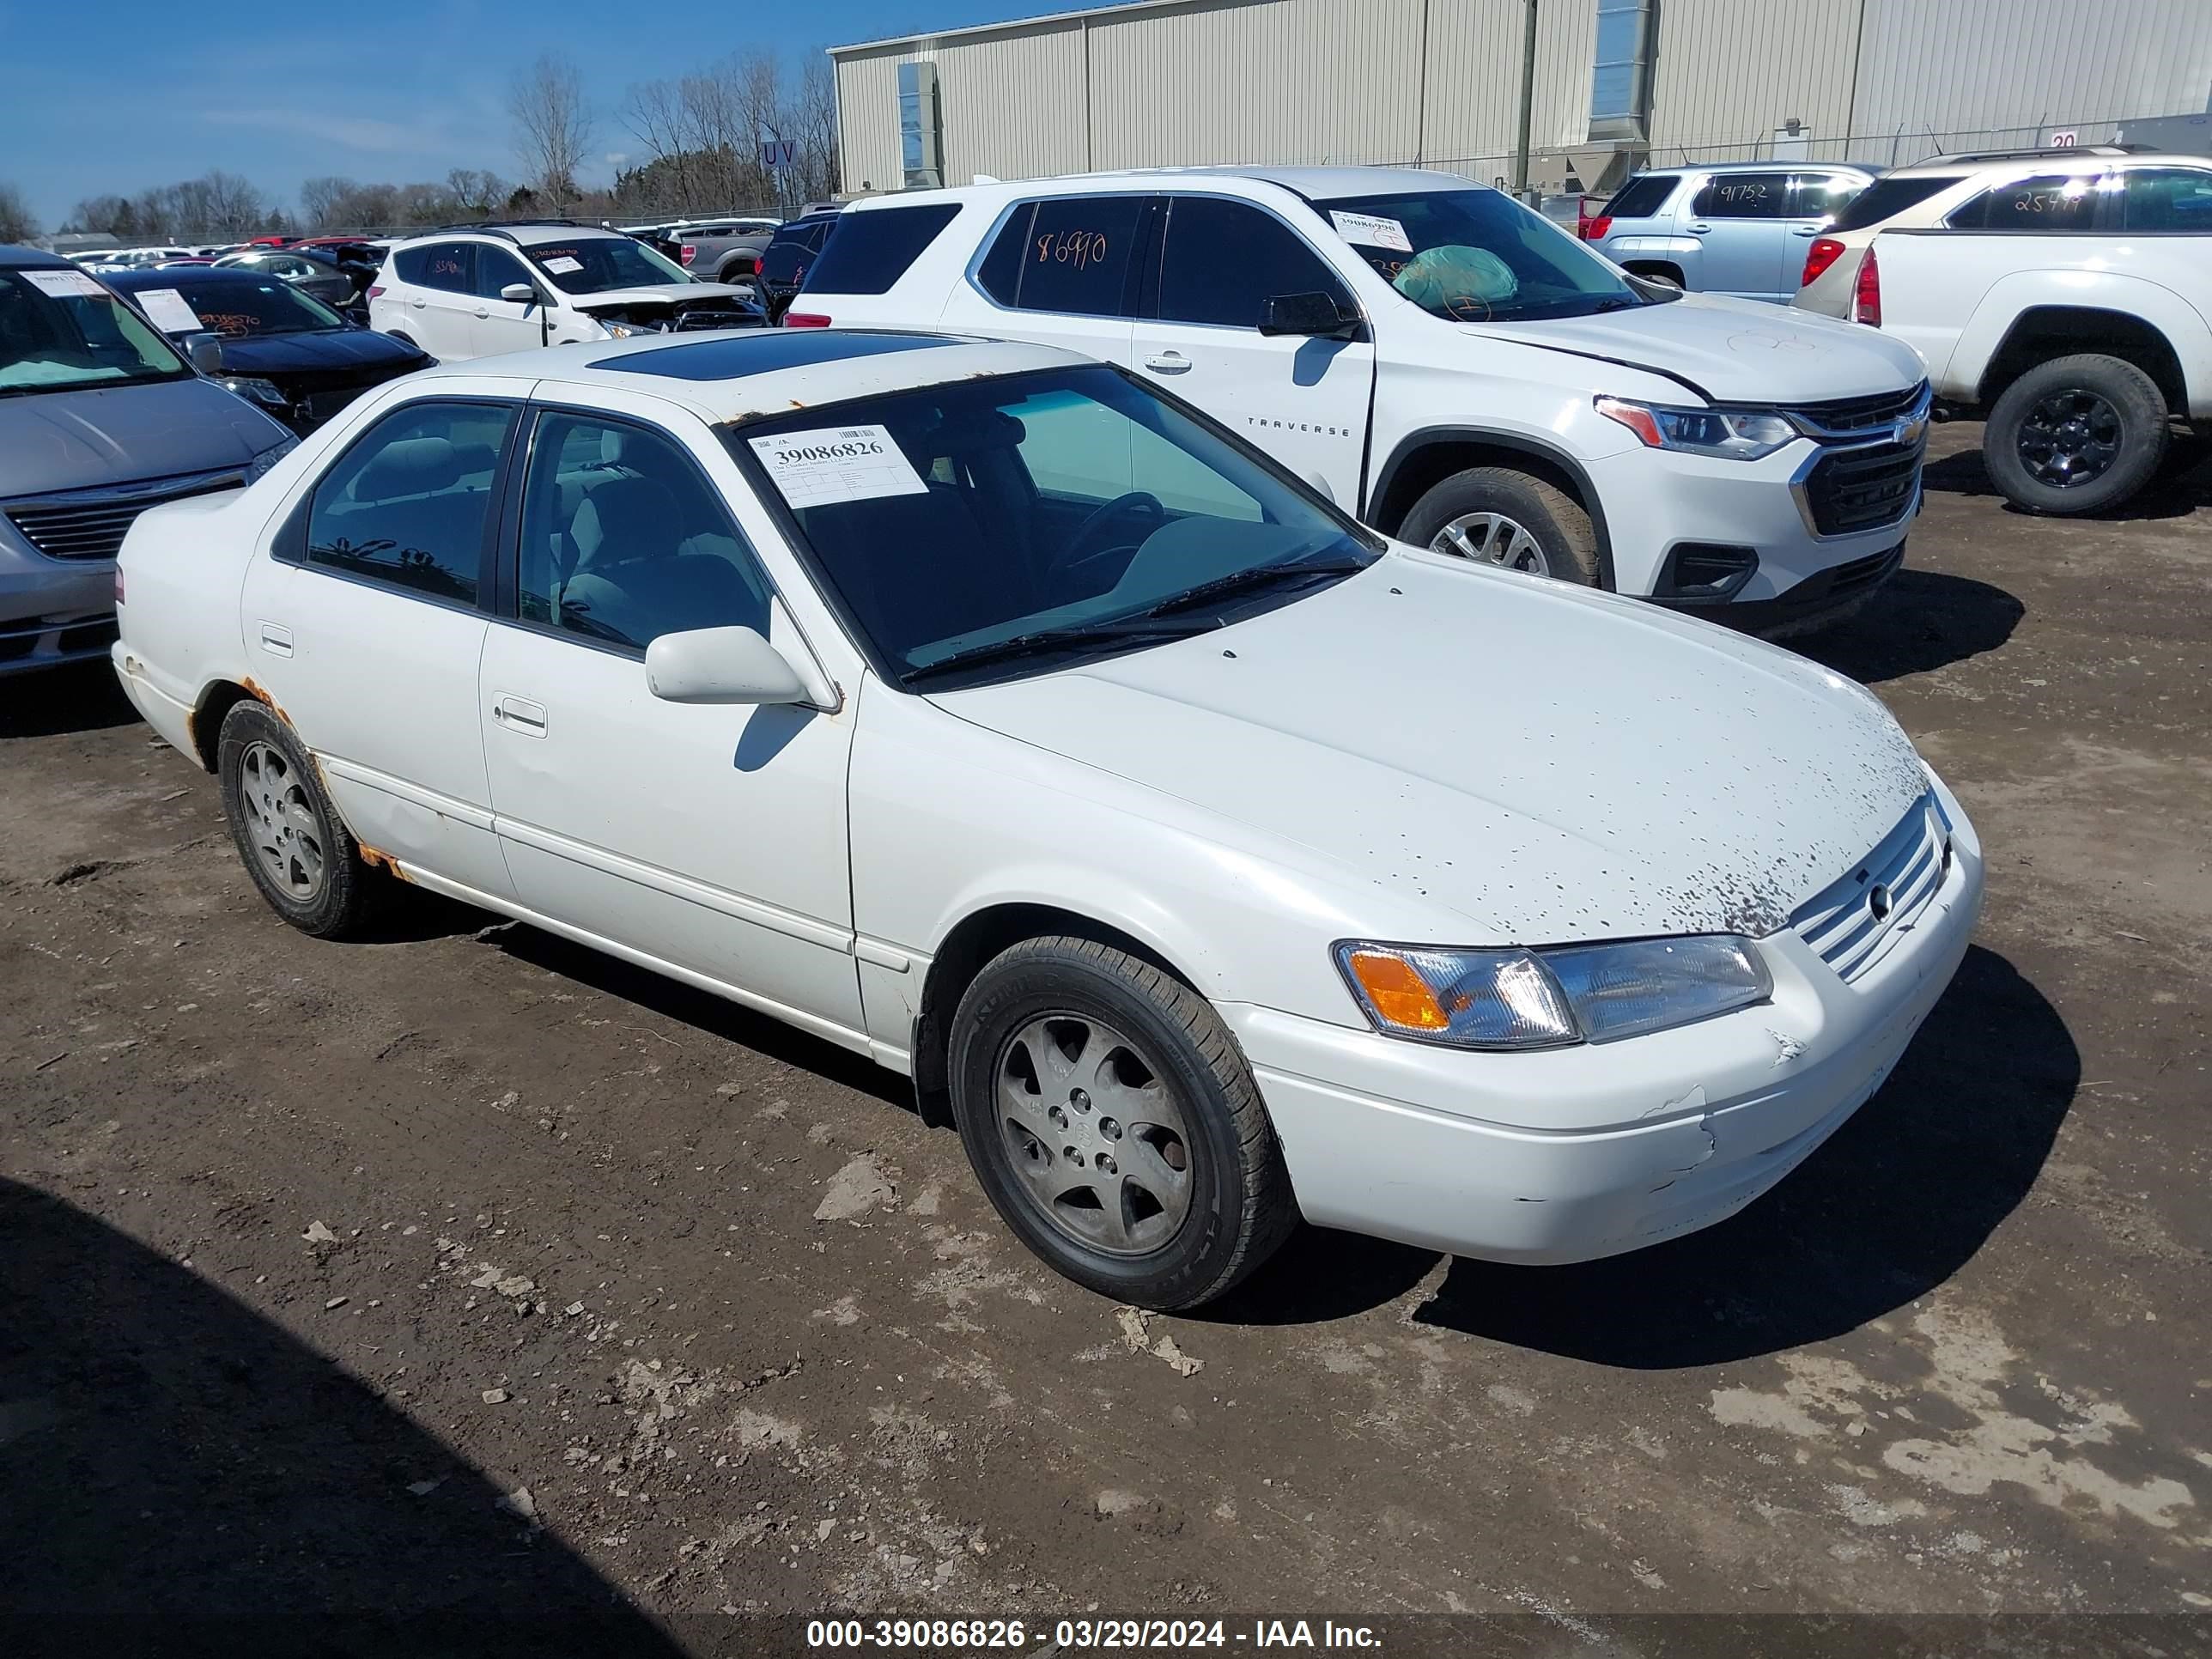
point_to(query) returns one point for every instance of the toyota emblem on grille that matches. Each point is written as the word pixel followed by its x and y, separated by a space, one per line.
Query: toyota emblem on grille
pixel 1878 901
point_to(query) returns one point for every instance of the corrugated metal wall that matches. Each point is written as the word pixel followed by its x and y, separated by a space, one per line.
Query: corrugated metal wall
pixel 1999 64
pixel 1279 81
pixel 1730 72
pixel 1438 80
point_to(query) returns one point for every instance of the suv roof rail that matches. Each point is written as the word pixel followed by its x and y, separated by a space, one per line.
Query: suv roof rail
pixel 510 225
pixel 2035 153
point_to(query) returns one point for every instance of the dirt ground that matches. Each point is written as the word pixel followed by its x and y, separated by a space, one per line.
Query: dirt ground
pixel 379 1295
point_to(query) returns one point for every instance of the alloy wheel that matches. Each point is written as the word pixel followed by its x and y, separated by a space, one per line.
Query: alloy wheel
pixel 283 829
pixel 1492 538
pixel 2069 438
pixel 1094 1133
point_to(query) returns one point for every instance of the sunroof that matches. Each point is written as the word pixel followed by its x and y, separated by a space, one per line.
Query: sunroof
pixel 762 351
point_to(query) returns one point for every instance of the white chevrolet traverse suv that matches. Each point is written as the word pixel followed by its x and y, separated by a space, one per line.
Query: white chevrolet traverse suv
pixel 1446 363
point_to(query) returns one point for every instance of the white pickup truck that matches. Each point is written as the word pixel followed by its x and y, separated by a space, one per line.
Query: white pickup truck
pixel 2067 294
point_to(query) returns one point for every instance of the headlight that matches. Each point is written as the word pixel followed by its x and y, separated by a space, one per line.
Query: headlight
pixel 261 392
pixel 1735 435
pixel 1544 998
pixel 617 331
pixel 269 457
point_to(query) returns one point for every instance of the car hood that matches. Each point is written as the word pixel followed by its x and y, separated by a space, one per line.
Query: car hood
pixel 1548 763
pixel 1733 350
pixel 348 348
pixel 671 293
pixel 58 440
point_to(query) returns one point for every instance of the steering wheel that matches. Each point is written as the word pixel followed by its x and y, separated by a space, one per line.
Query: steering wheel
pixel 1079 552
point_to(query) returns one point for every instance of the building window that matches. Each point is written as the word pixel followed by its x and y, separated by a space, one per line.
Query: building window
pixel 921 130
pixel 1620 81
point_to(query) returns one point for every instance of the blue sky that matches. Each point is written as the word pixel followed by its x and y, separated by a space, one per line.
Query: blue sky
pixel 127 94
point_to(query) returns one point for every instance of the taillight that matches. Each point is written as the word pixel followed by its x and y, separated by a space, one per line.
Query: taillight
pixel 688 253
pixel 118 584
pixel 804 319
pixel 375 290
pixel 1866 293
pixel 1597 229
pixel 1817 257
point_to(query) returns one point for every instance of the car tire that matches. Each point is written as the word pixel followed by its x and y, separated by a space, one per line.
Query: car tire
pixel 1066 1048
pixel 289 835
pixel 1501 516
pixel 2087 411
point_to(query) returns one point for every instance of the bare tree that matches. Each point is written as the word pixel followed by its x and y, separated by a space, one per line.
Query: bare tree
pixel 552 126
pixel 812 125
pixel 16 224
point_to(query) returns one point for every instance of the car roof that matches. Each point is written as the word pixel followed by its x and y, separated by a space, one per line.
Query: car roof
pixel 735 374
pixel 526 233
pixel 1313 183
pixel 2082 160
pixel 145 276
pixel 1868 168
pixel 32 258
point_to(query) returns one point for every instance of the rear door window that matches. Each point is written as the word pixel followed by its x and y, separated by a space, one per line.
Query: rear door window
pixel 1743 196
pixel 448 265
pixel 2167 199
pixel 1223 260
pixel 1639 199
pixel 872 250
pixel 1820 195
pixel 1072 254
pixel 2047 205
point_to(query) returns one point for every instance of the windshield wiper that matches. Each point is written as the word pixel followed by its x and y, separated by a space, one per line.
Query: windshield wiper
pixel 1255 580
pixel 1053 639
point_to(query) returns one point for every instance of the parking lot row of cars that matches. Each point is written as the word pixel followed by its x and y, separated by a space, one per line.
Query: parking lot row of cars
pixel 1076 604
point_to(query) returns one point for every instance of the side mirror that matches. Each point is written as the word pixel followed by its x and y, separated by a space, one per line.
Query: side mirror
pixel 721 666
pixel 521 294
pixel 204 352
pixel 1323 316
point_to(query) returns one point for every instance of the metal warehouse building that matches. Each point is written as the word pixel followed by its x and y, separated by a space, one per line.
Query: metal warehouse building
pixel 1612 84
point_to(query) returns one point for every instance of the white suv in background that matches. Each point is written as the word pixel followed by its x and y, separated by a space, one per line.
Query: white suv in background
pixel 485 289
pixel 2062 291
pixel 1453 368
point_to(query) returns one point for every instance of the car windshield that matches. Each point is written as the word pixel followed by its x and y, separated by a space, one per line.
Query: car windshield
pixel 1016 523
pixel 236 310
pixel 60 331
pixel 1478 256
pixel 598 265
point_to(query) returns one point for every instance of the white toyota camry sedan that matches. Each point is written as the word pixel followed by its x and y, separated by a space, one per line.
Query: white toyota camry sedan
pixel 984 711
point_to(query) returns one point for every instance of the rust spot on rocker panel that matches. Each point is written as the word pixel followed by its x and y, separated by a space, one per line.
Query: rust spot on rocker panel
pixel 376 859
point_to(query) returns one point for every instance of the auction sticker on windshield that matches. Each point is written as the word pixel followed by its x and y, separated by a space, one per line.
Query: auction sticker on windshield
pixel 838 464
pixel 63 284
pixel 1371 230
pixel 561 265
pixel 168 311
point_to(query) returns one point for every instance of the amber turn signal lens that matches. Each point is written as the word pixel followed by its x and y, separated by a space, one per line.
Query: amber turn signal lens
pixel 1396 992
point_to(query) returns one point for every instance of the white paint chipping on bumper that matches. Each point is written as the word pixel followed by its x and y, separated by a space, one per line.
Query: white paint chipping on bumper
pixel 1572 1154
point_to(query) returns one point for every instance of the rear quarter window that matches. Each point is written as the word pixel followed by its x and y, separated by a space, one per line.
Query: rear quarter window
pixel 2046 205
pixel 1639 199
pixel 1885 198
pixel 871 251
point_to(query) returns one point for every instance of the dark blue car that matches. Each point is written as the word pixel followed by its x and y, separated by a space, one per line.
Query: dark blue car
pixel 261 337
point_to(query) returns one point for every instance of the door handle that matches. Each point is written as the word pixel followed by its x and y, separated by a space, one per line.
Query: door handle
pixel 482 312
pixel 416 302
pixel 1805 230
pixel 1168 362
pixel 276 639
pixel 520 715
pixel 1698 229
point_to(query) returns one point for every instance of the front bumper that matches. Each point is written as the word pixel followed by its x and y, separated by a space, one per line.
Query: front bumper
pixel 52 611
pixel 1572 1154
pixel 1674 500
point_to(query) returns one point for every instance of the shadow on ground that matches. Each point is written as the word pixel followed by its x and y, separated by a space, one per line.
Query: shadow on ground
pixel 1924 620
pixel 183 1477
pixel 83 696
pixel 1902 1198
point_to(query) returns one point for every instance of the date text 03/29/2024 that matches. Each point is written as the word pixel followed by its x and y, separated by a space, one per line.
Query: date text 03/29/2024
pixel 1070 1634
